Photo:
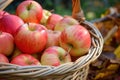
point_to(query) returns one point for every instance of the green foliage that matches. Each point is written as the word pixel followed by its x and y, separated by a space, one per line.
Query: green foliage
pixel 92 8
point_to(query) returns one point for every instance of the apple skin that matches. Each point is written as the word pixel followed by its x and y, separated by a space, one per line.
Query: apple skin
pixel 55 56
pixel 76 39
pixel 67 21
pixel 53 20
pixel 31 38
pixel 10 23
pixel 3 58
pixel 53 38
pixel 45 16
pixel 30 11
pixel 25 60
pixel 2 13
pixel 6 43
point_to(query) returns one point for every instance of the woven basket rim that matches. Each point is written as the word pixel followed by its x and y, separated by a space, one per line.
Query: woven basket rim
pixel 43 70
pixel 15 72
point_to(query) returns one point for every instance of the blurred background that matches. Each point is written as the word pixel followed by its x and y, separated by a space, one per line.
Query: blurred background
pixel 92 8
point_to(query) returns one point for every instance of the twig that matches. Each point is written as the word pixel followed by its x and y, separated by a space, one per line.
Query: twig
pixel 77 12
pixel 111 33
pixel 106 18
pixel 4 4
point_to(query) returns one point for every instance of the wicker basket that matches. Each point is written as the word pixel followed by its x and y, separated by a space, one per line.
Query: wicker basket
pixel 77 70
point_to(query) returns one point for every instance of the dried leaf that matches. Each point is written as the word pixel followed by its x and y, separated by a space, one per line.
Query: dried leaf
pixel 108 48
pixel 108 55
pixel 117 52
pixel 111 69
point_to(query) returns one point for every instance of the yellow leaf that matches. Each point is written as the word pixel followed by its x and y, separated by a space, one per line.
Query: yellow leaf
pixel 103 74
pixel 117 52
pixel 113 67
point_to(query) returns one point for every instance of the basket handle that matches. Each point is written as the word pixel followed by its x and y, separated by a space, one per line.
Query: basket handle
pixel 4 4
pixel 77 12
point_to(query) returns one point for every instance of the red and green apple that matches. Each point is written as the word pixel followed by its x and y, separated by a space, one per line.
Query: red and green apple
pixel 31 38
pixel 75 39
pixel 30 11
pixel 6 43
pixel 25 60
pixel 53 20
pixel 10 23
pixel 55 56
pixel 67 21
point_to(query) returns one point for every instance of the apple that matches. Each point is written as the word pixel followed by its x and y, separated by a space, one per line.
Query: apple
pixel 67 21
pixel 55 56
pixel 3 58
pixel 75 39
pixel 53 20
pixel 45 16
pixel 31 38
pixel 25 60
pixel 30 11
pixel 6 43
pixel 53 38
pixel 10 23
pixel 2 13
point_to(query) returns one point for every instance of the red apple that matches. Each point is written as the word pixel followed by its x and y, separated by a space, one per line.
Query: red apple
pixel 24 60
pixel 30 11
pixel 3 58
pixel 76 39
pixel 53 38
pixel 67 21
pixel 6 43
pixel 53 20
pixel 45 16
pixel 2 13
pixel 31 38
pixel 10 23
pixel 55 56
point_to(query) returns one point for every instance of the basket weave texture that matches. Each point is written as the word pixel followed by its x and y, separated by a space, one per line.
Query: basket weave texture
pixel 77 70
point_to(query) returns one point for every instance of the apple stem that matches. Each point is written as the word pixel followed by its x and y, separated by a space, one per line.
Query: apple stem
pixel 28 23
pixel 29 6
pixel 68 51
pixel 52 11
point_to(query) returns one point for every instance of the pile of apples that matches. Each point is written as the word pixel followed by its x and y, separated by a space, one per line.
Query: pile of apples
pixel 35 36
